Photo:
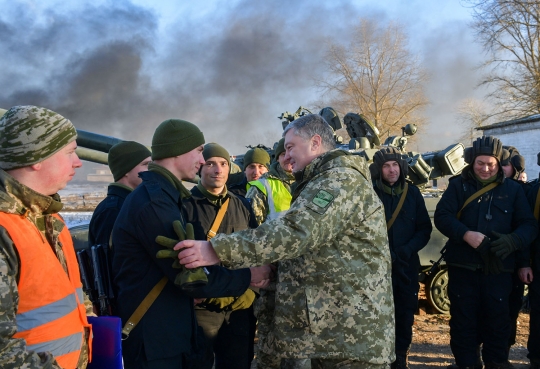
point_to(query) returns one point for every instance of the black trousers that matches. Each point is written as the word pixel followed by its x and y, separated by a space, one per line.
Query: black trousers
pixel 229 338
pixel 515 304
pixel 479 309
pixel 405 305
pixel 533 344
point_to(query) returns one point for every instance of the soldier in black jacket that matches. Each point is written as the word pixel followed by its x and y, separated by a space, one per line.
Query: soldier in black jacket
pixel 126 159
pixel 167 333
pixel 408 234
pixel 533 344
pixel 228 324
pixel 484 235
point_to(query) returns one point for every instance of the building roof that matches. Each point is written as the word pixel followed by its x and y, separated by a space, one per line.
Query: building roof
pixel 528 119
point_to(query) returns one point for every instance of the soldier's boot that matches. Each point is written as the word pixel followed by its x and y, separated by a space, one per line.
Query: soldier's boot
pixel 503 365
pixel 479 364
pixel 401 360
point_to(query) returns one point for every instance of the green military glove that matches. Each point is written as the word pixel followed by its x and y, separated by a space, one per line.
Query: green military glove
pixel 504 245
pixel 187 279
pixel 495 264
pixel 218 304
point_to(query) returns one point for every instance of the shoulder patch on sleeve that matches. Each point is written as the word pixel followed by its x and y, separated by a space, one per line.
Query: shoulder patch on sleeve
pixel 321 201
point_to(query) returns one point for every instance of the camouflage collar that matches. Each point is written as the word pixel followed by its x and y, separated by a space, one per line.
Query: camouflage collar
pixel 17 198
pixel 277 172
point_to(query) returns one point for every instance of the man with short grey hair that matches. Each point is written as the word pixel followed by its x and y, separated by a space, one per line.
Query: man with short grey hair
pixel 334 283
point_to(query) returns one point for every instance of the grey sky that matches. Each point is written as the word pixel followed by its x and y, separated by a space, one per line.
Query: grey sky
pixel 232 67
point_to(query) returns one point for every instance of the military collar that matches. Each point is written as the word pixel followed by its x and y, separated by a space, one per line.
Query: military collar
pixel 23 199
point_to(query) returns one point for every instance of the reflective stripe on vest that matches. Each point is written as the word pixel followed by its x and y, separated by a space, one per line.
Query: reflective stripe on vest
pixel 277 195
pixel 51 315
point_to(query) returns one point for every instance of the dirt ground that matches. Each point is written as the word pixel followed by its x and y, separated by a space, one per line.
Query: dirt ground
pixel 431 340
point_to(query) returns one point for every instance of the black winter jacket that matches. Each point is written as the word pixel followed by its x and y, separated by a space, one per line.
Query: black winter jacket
pixel 411 230
pixel 167 329
pixel 503 209
pixel 200 212
pixel 105 214
pixel 534 254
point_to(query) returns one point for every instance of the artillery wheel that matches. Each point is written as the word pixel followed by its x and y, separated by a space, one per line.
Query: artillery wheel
pixel 437 291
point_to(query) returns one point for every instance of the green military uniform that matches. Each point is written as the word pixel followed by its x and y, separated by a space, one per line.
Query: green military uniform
pixel 334 284
pixel 16 198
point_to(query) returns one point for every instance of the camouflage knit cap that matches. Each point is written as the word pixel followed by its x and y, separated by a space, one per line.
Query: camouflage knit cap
pixel 256 155
pixel 280 148
pixel 125 156
pixel 175 137
pixel 31 134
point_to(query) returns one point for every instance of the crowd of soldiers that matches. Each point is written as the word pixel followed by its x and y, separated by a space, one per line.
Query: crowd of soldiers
pixel 314 248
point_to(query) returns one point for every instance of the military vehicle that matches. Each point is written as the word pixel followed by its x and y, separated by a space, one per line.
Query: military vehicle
pixel 424 170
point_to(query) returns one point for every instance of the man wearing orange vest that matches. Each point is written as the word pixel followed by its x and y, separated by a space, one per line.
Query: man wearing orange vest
pixel 42 313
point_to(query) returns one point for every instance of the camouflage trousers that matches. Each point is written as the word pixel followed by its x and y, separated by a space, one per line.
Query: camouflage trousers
pixel 344 364
pixel 266 361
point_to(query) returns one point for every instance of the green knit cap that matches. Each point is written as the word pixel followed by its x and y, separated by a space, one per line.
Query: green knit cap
pixel 212 150
pixel 125 156
pixel 31 134
pixel 280 148
pixel 256 155
pixel 175 137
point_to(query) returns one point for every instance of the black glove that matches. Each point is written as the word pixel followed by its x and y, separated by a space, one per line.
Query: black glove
pixel 398 268
pixel 187 279
pixel 504 245
pixel 492 264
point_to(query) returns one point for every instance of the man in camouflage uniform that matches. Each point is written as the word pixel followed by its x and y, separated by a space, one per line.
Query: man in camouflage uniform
pixel 334 300
pixel 271 196
pixel 37 158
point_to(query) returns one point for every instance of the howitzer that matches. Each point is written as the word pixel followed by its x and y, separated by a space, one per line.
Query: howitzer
pixel 98 282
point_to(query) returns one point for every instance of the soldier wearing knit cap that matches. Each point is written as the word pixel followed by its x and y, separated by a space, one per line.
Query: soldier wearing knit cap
pixel 256 163
pixel 166 331
pixel 37 159
pixel 126 160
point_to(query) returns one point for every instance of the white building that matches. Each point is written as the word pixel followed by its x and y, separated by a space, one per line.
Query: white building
pixel 522 133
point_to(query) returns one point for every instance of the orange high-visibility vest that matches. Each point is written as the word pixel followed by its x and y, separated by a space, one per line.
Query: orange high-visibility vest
pixel 51 315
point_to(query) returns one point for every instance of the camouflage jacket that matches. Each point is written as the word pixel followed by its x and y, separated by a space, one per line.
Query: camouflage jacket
pixel 334 294
pixel 16 198
pixel 259 202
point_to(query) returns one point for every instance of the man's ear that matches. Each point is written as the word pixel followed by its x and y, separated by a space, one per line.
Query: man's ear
pixel 36 166
pixel 316 142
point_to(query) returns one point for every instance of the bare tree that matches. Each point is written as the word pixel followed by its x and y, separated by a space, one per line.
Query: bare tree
pixel 509 31
pixel 376 75
pixel 472 114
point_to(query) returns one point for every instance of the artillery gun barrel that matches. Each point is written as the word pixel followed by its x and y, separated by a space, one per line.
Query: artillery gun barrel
pixel 96 141
pixel 94 147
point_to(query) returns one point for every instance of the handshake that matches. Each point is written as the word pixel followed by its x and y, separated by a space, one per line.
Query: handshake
pixel 192 279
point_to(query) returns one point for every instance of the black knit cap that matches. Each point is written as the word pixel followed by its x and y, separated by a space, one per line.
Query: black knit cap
pixel 256 155
pixel 385 154
pixel 175 137
pixel 125 156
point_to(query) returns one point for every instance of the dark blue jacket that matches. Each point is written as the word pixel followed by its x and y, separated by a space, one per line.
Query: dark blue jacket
pixel 103 218
pixel 503 209
pixel 412 228
pixel 167 329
